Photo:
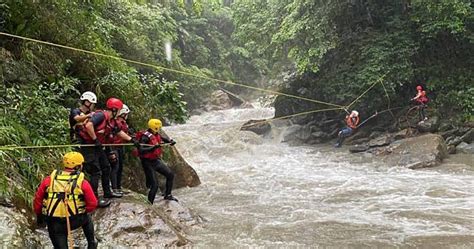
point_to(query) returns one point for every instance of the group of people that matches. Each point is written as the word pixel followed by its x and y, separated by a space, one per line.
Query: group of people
pixel 352 119
pixel 64 199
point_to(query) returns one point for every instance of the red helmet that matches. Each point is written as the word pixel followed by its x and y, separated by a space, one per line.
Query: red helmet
pixel 114 104
pixel 419 88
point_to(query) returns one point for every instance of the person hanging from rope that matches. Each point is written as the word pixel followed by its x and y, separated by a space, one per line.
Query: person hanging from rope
pixel 116 156
pixel 150 157
pixel 421 100
pixel 97 131
pixel 64 201
pixel 78 116
pixel 352 120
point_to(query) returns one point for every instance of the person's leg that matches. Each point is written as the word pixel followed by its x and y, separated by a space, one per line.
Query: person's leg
pixel 120 168
pixel 346 132
pixel 58 234
pixel 163 169
pixel 105 168
pixel 114 162
pixel 148 166
pixel 88 229
pixel 147 176
pixel 92 167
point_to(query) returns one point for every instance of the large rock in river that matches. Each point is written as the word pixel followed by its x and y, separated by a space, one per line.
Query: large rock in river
pixel 132 222
pixel 416 152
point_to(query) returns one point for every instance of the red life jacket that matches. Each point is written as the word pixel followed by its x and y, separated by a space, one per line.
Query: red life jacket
pixel 102 131
pixel 152 140
pixel 352 122
pixel 122 126
pixel 423 98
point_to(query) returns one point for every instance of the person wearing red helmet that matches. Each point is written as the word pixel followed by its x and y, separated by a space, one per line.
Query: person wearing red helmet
pixel 421 99
pixel 97 131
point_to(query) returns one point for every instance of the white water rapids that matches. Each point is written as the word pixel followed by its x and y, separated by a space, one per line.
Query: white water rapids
pixel 259 192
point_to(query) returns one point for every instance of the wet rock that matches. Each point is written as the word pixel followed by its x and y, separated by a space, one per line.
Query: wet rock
pixel 449 133
pixel 185 175
pixel 304 134
pixel 465 148
pixel 445 127
pixel 361 141
pixel 461 131
pixel 451 149
pixel 375 134
pixel 453 141
pixel 15 231
pixel 430 125
pixel 359 148
pixel 260 127
pixel 468 137
pixel 219 100
pixel 401 134
pixel 381 141
pixel 358 135
pixel 290 133
pixel 417 152
pixel 132 222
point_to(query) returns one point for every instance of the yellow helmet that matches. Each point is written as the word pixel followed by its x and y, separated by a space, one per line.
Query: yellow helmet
pixel 154 124
pixel 72 160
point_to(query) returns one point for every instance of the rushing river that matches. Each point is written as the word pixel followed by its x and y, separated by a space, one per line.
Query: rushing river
pixel 259 192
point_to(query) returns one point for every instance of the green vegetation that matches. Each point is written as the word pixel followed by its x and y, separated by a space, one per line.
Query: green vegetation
pixel 337 48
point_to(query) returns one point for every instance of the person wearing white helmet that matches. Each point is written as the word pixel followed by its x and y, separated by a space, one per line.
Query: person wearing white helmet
pixel 78 116
pixel 116 154
pixel 352 120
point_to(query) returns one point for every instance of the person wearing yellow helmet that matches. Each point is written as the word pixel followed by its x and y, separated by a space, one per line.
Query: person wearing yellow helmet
pixel 66 195
pixel 150 157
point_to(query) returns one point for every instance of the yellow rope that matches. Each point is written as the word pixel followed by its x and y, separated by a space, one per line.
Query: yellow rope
pixel 290 116
pixel 15 147
pixel 166 69
pixel 360 96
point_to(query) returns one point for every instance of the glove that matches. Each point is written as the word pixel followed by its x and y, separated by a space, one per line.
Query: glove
pixel 157 146
pixel 135 142
pixel 98 144
pixel 40 220
pixel 172 142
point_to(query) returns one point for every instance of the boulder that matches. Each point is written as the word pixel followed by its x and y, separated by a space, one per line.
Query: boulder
pixel 401 134
pixel 383 140
pixel 15 231
pixel 468 137
pixel 359 148
pixel 417 152
pixel 465 148
pixel 219 100
pixel 304 134
pixel 361 140
pixel 430 125
pixel 185 175
pixel 260 127
pixel 132 222
pixel 443 127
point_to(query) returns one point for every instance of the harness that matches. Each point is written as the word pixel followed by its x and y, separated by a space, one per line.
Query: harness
pixel 64 188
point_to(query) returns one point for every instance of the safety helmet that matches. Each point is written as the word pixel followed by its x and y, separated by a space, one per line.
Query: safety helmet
pixel 354 113
pixel 419 88
pixel 72 159
pixel 89 96
pixel 114 104
pixel 124 110
pixel 154 124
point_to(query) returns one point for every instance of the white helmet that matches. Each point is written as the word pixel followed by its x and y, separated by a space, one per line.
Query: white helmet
pixel 354 113
pixel 124 110
pixel 89 96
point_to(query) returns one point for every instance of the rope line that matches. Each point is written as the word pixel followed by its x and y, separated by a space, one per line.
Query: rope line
pixel 360 96
pixel 166 69
pixel 14 147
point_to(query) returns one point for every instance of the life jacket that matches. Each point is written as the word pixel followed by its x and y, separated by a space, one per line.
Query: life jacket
pixel 75 127
pixel 102 131
pixel 64 186
pixel 352 122
pixel 423 99
pixel 152 140
pixel 121 126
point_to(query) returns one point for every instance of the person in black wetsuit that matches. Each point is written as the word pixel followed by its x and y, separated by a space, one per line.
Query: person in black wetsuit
pixel 150 156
